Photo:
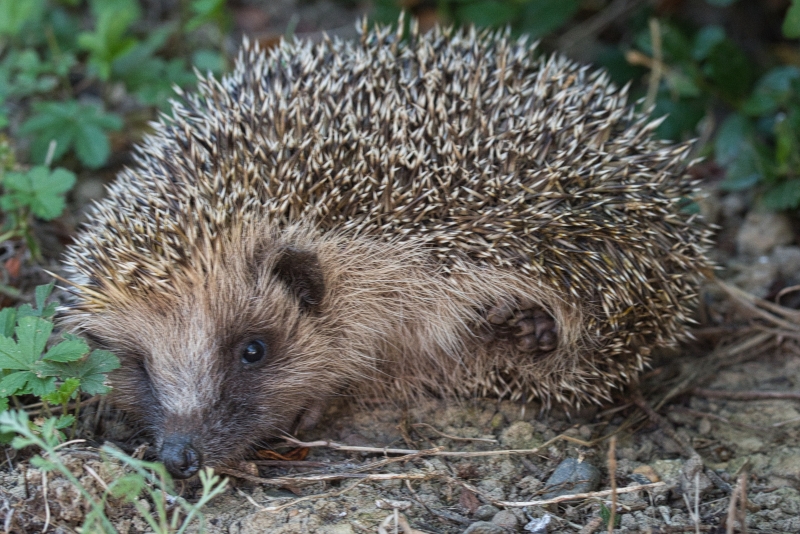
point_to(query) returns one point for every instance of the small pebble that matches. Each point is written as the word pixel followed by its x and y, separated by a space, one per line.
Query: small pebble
pixel 538 526
pixel 648 473
pixel 640 479
pixel 572 476
pixel 484 527
pixel 486 512
pixel 505 519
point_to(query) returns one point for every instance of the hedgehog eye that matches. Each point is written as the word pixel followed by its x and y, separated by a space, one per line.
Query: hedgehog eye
pixel 254 351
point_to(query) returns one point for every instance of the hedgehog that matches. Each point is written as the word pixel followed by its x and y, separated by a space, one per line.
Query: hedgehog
pixel 447 213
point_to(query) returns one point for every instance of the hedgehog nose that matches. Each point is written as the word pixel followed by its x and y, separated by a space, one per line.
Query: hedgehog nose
pixel 180 458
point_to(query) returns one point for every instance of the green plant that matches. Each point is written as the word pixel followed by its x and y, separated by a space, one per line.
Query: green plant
pixel 172 514
pixel 110 39
pixel 759 144
pixel 71 124
pixel 16 15
pixel 51 51
pixel 605 515
pixel 207 12
pixel 37 192
pixel 698 73
pixel 55 375
pixel 532 17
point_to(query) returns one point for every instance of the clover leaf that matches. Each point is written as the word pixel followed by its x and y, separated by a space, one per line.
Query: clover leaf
pixel 39 189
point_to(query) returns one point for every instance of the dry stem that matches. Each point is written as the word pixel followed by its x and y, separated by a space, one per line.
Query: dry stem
pixel 612 471
pixel 576 496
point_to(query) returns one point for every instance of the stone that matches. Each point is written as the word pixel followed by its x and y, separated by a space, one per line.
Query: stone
pixel 762 232
pixel 539 525
pixel 787 260
pixel 505 519
pixel 668 470
pixel 693 478
pixel 521 435
pixel 484 527
pixel 486 512
pixel 572 476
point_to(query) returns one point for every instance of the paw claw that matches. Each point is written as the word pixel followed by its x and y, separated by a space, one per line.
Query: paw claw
pixel 499 313
pixel 526 324
pixel 527 343
pixel 548 340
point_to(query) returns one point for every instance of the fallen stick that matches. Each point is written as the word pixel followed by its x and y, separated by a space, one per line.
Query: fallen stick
pixel 576 496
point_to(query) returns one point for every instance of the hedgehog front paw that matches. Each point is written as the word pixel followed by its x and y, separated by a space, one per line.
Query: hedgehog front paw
pixel 529 327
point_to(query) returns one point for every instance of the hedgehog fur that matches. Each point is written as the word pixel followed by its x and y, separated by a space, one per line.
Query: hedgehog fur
pixel 365 208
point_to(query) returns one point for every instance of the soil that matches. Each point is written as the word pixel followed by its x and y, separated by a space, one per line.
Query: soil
pixel 701 443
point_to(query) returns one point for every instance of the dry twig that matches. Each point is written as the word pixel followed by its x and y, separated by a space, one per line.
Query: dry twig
pixel 448 436
pixel 612 472
pixel 657 71
pixel 579 496
pixel 740 495
pixel 310 479
pixel 746 395
pixel 592 525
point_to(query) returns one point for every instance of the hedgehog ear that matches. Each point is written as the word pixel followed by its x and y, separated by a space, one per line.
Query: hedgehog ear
pixel 301 271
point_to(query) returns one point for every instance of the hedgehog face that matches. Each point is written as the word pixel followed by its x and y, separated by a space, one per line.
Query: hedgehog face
pixel 226 360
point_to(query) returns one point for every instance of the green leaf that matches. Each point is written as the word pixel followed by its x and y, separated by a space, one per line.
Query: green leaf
pixel 67 351
pixel 786 145
pixel 681 84
pixel 605 515
pixel 43 291
pixel 71 125
pixel 130 7
pixel 108 41
pixel 65 421
pixel 676 44
pixel 98 365
pixel 745 171
pixel 64 393
pixel 733 134
pixel 682 116
pixel 543 16
pixel 207 11
pixel 40 386
pixel 208 61
pixel 729 69
pixel 8 319
pixel 784 196
pixel 128 487
pixel 62 139
pixel 32 336
pixel 15 14
pixel 91 370
pixel 14 383
pixel 773 91
pixel 706 39
pixel 39 189
pixel 486 13
pixel 791 24
pixel 3 407
pixel 91 146
pixel 386 11
pixel 11 357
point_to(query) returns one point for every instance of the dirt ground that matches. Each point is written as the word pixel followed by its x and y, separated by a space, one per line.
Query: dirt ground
pixel 710 436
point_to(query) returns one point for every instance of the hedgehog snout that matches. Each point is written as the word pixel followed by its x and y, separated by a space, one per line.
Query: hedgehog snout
pixel 181 458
